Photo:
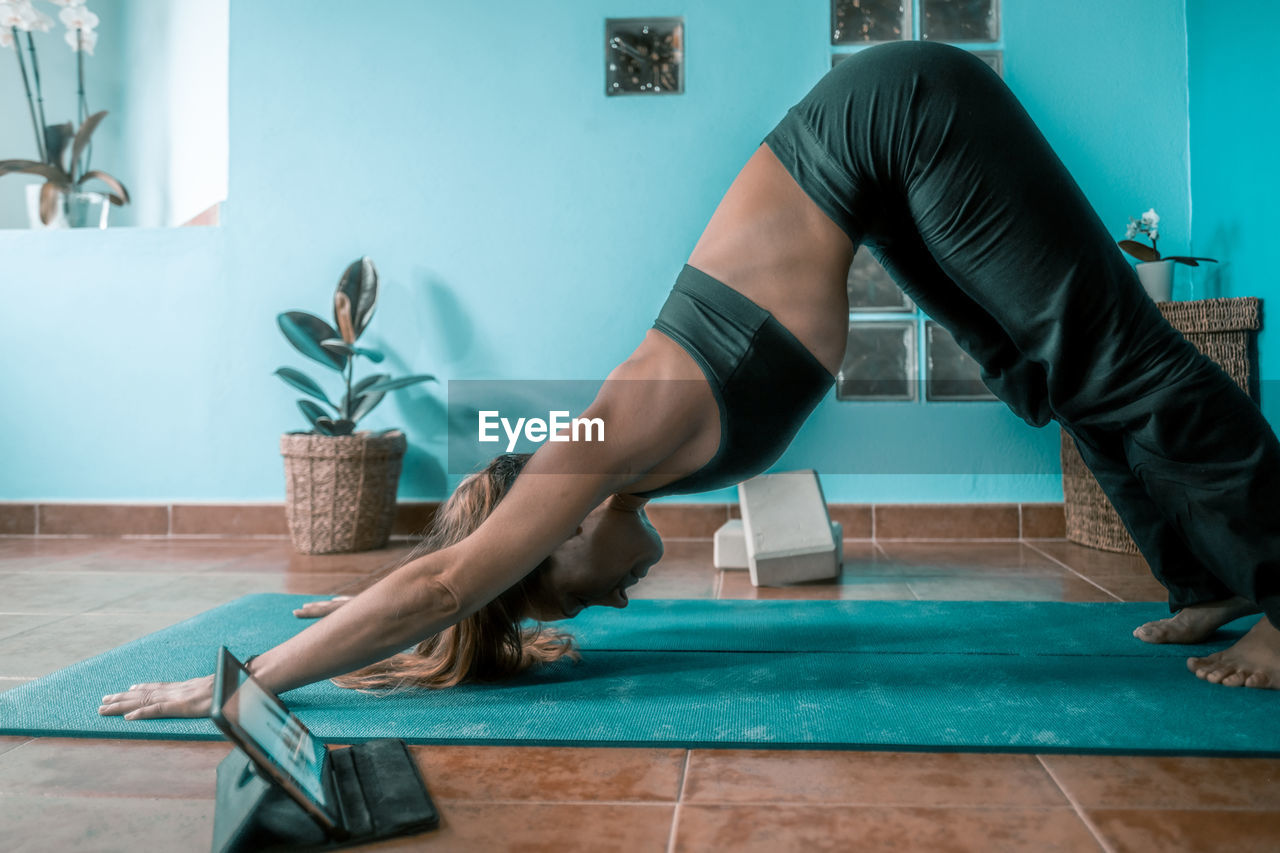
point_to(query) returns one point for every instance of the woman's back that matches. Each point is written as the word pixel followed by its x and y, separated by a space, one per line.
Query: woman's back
pixel 771 243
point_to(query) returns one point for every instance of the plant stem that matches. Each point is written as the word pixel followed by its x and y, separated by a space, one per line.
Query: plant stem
pixel 35 74
pixel 31 104
pixel 83 103
pixel 351 372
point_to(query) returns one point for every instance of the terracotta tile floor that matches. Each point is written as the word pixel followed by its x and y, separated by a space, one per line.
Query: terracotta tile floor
pixel 65 600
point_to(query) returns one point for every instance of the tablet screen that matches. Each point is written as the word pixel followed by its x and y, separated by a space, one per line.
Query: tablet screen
pixel 254 714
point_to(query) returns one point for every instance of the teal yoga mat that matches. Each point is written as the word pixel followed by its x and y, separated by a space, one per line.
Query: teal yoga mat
pixel 980 676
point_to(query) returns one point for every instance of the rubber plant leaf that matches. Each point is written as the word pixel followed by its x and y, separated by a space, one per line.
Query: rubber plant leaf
pixel 364 384
pixel 365 404
pixel 119 195
pixel 360 284
pixel 306 331
pixel 342 314
pixel 352 400
pixel 313 412
pixel 349 403
pixel 324 425
pixel 303 383
pixel 403 382
pixel 1141 251
pixel 343 426
pixel 82 135
pixel 339 345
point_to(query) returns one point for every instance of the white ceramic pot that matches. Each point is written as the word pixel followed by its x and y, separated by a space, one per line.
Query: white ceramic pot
pixel 1157 279
pixel 77 209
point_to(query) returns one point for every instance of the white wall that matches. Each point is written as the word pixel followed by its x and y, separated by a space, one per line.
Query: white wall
pixel 175 96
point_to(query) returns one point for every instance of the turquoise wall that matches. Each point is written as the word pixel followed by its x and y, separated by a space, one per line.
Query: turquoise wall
pixel 525 227
pixel 1235 180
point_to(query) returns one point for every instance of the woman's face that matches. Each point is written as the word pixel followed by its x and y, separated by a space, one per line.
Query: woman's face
pixel 611 551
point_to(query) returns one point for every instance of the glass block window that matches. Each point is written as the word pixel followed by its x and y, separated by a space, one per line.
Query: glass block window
pixel 869 21
pixel 972 24
pixel 994 58
pixel 871 288
pixel 893 348
pixel 879 361
pixel 959 20
pixel 951 374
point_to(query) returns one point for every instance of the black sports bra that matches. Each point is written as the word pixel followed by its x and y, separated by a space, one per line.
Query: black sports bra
pixel 764 380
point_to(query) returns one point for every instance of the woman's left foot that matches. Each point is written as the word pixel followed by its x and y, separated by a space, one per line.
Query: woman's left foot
pixel 1254 661
pixel 1195 623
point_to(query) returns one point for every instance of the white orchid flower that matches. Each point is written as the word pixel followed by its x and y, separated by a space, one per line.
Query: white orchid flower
pixel 18 14
pixel 88 37
pixel 1151 218
pixel 78 18
pixel 67 2
pixel 6 38
pixel 1155 234
pixel 1132 230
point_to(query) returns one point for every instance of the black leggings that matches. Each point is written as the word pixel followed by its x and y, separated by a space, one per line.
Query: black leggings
pixel 919 151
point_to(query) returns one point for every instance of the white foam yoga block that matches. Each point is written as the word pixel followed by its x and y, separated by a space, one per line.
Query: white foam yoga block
pixel 731 546
pixel 789 536
pixel 730 551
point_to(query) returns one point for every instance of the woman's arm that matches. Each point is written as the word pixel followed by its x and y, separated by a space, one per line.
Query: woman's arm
pixel 392 614
pixel 421 598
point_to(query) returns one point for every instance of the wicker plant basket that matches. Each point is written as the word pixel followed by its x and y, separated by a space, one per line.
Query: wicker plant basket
pixel 1223 329
pixel 340 490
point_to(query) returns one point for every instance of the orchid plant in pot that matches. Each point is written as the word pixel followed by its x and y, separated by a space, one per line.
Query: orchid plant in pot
pixel 62 199
pixel 1155 271
pixel 341 484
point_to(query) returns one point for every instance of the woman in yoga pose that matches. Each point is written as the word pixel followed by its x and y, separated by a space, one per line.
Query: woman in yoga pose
pixel 920 152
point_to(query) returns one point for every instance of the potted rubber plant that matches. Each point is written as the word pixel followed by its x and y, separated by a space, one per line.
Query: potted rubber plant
pixel 340 484
pixel 1155 271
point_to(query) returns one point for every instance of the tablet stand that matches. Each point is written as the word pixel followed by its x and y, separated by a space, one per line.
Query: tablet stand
pixel 382 795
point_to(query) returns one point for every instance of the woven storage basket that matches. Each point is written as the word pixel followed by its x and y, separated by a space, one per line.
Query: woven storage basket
pixel 1223 329
pixel 340 490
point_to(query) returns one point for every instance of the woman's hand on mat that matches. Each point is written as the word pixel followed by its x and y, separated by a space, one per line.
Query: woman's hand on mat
pixel 316 609
pixel 192 698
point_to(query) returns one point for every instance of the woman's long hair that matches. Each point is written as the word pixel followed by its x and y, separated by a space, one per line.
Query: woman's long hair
pixel 490 644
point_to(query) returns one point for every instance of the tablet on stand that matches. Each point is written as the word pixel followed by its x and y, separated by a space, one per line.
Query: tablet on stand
pixel 282 789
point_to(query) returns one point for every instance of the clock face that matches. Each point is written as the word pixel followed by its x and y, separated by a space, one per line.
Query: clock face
pixel 644 56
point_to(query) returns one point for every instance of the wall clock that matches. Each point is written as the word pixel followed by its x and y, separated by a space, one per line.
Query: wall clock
pixel 643 56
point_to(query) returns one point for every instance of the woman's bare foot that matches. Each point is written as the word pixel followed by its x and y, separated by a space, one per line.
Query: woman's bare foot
pixel 1254 661
pixel 1196 623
